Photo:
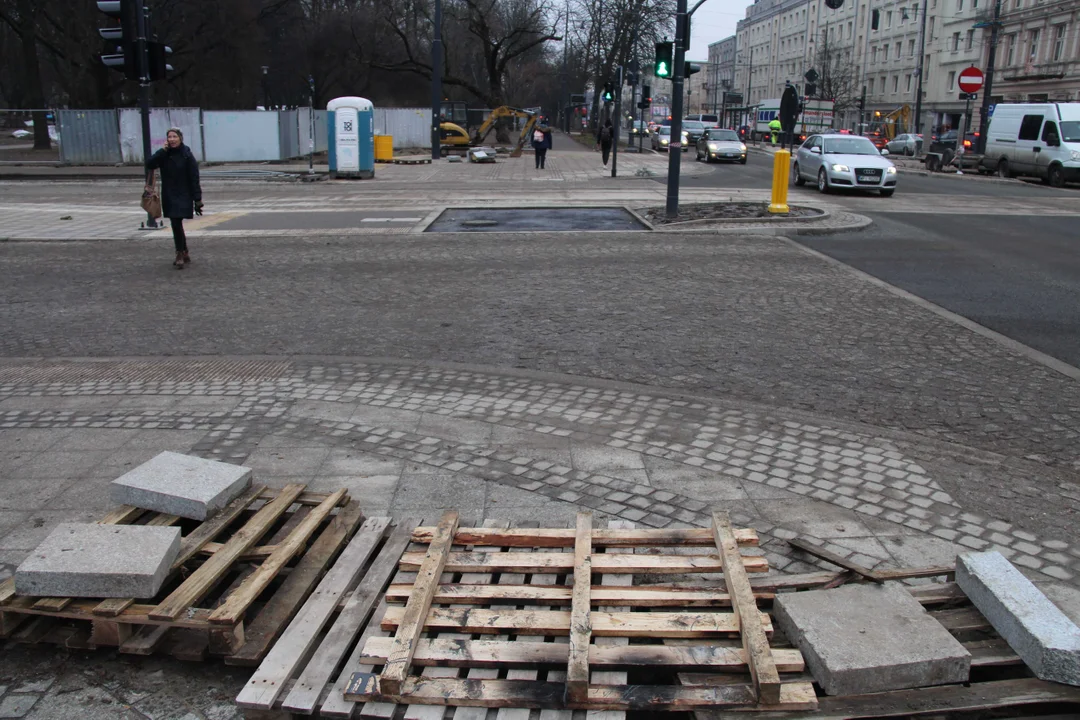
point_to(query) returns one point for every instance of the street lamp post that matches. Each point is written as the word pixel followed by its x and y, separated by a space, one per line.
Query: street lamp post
pixel 988 85
pixel 436 81
pixel 920 70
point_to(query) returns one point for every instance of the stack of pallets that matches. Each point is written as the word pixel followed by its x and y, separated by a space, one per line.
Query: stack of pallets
pixel 238 581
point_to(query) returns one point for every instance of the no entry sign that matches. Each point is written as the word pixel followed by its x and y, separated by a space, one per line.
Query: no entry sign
pixel 971 80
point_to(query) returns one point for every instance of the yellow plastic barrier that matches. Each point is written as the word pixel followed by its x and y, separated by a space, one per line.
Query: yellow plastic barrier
pixel 781 169
pixel 384 148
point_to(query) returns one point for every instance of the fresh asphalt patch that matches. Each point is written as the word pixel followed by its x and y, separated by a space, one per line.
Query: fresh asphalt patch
pixel 535 220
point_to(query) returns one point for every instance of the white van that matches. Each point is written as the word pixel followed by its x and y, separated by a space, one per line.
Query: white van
pixel 709 120
pixel 1042 140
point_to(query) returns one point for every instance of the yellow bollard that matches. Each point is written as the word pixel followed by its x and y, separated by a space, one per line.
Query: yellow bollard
pixel 781 169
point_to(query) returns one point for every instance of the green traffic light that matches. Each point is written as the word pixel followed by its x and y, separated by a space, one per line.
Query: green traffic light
pixel 662 69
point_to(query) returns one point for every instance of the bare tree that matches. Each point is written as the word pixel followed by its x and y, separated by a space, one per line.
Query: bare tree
pixel 838 77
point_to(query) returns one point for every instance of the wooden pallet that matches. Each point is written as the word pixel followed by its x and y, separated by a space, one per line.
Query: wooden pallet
pixel 731 634
pixel 230 592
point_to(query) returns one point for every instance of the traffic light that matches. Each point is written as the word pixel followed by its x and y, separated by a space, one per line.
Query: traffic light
pixel 810 90
pixel 121 36
pixel 690 68
pixel 159 53
pixel 609 92
pixel 665 54
pixel 646 97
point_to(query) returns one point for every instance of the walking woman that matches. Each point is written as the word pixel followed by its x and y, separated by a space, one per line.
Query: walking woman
pixel 180 189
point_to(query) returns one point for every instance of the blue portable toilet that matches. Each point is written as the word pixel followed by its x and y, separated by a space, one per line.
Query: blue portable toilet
pixel 351 137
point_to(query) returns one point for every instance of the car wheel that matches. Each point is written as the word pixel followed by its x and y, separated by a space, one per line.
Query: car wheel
pixel 909 151
pixel 933 164
pixel 743 161
pixel 888 193
pixel 796 176
pixel 1003 169
pixel 1056 176
pixel 822 181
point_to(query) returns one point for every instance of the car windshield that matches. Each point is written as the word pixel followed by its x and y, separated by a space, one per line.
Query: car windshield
pixel 1070 131
pixel 725 135
pixel 665 130
pixel 693 125
pixel 850 146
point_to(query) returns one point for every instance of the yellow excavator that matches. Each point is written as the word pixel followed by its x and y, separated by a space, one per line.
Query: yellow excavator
pixel 899 120
pixel 453 136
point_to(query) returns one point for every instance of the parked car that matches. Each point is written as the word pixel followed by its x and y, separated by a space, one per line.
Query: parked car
pixel 662 138
pixel 877 138
pixel 1042 140
pixel 836 160
pixel 694 129
pixel 721 144
pixel 947 141
pixel 905 144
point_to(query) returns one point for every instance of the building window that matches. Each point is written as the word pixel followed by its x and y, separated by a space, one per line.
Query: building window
pixel 908 83
pixel 898 51
pixel 952 80
pixel 849 31
pixel 1010 54
pixel 895 84
pixel 959 6
pixel 1059 42
pixel 955 41
pixel 1033 46
pixel 888 19
pixel 974 4
pixel 926 68
pixel 870 86
pixel 873 55
pixel 874 18
pixel 970 39
pixel 911 48
pixel 931 29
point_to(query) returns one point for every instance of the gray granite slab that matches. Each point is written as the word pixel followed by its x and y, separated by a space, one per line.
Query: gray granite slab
pixel 1036 629
pixel 91 560
pixel 183 485
pixel 870 638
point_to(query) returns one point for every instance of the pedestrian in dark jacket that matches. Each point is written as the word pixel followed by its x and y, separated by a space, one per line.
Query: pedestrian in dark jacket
pixel 180 190
pixel 541 143
pixel 605 138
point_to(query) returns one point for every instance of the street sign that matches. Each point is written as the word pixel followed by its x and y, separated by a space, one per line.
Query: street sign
pixel 971 80
pixel 969 96
pixel 811 75
pixel 789 108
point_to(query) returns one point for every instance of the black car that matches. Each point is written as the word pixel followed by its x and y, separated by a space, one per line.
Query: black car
pixel 694 130
pixel 947 141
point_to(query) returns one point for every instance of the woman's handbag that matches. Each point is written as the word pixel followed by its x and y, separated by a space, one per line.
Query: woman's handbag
pixel 151 200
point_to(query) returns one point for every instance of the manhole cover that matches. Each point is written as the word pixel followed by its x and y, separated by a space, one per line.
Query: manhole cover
pixel 535 219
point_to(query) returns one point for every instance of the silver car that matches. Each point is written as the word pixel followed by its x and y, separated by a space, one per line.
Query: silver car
pixel 720 144
pixel 662 138
pixel 905 144
pixel 851 161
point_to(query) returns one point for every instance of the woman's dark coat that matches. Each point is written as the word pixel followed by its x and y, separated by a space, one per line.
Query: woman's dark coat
pixel 180 188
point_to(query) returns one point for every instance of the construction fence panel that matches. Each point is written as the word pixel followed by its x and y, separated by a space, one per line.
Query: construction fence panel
pixel 88 137
pixel 410 127
pixel 187 120
pixel 241 136
pixel 289 133
pixel 304 123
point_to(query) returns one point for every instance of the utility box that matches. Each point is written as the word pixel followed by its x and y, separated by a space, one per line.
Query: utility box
pixel 351 136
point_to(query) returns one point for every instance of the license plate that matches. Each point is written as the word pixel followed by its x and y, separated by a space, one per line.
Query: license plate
pixel 729 154
pixel 869 178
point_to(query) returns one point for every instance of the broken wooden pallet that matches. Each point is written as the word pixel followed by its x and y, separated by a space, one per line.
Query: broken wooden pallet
pixel 732 634
pixel 239 579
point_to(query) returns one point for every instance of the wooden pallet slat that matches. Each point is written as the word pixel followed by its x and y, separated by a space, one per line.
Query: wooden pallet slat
pixel 564 562
pixel 601 537
pixel 633 596
pixel 412 622
pixel 577 668
pixel 752 631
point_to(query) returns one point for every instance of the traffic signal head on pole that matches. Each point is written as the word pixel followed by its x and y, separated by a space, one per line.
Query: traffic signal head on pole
pixel 609 92
pixel 120 36
pixel 690 69
pixel 159 53
pixel 665 57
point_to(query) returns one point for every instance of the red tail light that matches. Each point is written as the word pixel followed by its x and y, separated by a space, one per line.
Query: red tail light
pixel 967 143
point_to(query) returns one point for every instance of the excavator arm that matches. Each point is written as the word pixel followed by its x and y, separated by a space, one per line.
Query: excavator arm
pixel 498 114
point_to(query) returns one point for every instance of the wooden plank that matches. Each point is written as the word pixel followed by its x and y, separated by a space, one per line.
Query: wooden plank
pixel 208 530
pixel 577 666
pixel 412 622
pixel 52 604
pixel 986 698
pixel 261 632
pixel 237 603
pixel 557 622
pixel 134 614
pixel 530 694
pixel 820 552
pixel 564 562
pixel 113 606
pixel 961 620
pixel 992 653
pixel 304 695
pixel 200 582
pixel 641 596
pixel 908 573
pixel 539 579
pixel 145 640
pixel 7 590
pixel 305 498
pixel 755 643
pixel 601 537
pixel 122 515
pixel 295 644
pixel 530 654
pixel 939 594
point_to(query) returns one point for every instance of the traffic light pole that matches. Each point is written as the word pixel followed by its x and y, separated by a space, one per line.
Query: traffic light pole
pixel 143 56
pixel 675 145
pixel 615 125
pixel 988 85
pixel 436 82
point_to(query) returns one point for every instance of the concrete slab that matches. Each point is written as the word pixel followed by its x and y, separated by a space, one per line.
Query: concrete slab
pixel 1036 629
pixel 181 485
pixel 870 638
pixel 91 560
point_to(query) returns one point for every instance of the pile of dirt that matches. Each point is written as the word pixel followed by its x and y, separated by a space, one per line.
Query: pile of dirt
pixel 726 211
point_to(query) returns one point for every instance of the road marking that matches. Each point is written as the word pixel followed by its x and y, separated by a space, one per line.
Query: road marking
pixel 393 219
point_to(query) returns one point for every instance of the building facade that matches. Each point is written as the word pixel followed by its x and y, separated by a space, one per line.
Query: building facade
pixel 721 72
pixel 1038 52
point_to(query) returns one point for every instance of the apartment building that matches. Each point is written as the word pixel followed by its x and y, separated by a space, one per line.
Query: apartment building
pixel 1038 53
pixel 721 72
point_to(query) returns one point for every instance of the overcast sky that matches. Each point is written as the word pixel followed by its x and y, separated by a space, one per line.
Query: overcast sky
pixel 715 20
